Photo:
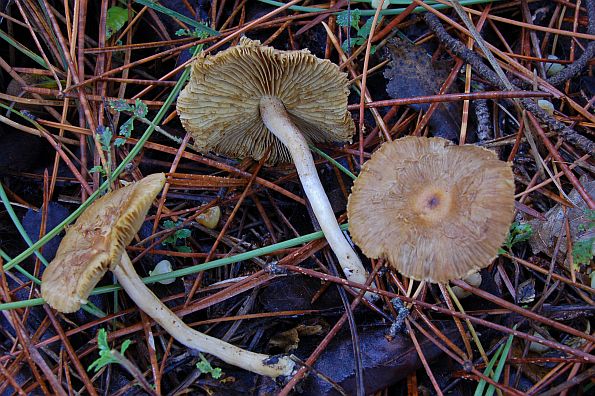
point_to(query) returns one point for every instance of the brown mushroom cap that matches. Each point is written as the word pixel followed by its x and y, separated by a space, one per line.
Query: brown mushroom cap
pixel 220 104
pixel 436 211
pixel 96 242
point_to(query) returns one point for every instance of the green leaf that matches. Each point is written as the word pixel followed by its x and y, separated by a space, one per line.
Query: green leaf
pixel 205 368
pixel 102 339
pixel 216 373
pixel 346 45
pixel 184 249
pixel 201 32
pixel 116 19
pixel 365 30
pixel 125 346
pixel 127 127
pixel 140 109
pixel 97 168
pixel 183 233
pixel 182 32
pixel 120 105
pixel 582 252
pixel 349 18
pixel 105 137
pixel 105 352
pixel 168 224
pixel 500 366
pixel 518 233
pixel 119 142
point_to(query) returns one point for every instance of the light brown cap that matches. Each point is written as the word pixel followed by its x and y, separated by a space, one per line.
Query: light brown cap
pixel 96 242
pixel 220 104
pixel 436 211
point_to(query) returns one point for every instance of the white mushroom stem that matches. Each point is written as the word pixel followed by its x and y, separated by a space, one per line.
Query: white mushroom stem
pixel 152 306
pixel 277 120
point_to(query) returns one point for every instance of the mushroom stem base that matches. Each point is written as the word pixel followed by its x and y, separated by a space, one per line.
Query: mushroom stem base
pixel 152 306
pixel 277 120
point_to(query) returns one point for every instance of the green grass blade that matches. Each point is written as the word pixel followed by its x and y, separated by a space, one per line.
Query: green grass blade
pixel 193 269
pixel 18 225
pixel 333 161
pixel 500 366
pixel 482 384
pixel 389 11
pixel 33 56
pixel 188 21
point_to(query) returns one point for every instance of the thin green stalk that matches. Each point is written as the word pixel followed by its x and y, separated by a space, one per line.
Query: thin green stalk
pixel 193 269
pixel 201 27
pixel 23 271
pixel 500 366
pixel 18 225
pixel 389 11
pixel 36 58
pixel 482 384
pixel 333 161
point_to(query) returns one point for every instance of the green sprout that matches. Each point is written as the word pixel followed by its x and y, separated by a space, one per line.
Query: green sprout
pixel 518 233
pixel 204 366
pixel 138 110
pixel 106 354
pixel 105 136
pixel 351 18
pixel 179 235
pixel 582 250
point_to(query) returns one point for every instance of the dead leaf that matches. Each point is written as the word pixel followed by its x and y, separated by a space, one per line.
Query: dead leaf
pixel 290 339
pixel 412 74
pixel 546 233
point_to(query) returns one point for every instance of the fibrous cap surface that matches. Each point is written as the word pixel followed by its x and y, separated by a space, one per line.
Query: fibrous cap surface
pixel 436 211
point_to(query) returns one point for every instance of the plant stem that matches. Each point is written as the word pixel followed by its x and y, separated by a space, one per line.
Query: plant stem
pixel 278 122
pixel 152 306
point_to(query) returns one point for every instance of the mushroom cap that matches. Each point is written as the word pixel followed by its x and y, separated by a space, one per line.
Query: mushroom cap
pixel 96 242
pixel 436 211
pixel 220 104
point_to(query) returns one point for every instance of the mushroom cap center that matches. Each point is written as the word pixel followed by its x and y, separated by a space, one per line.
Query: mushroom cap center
pixel 432 204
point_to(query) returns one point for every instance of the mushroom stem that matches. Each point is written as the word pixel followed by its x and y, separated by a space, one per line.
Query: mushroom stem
pixel 277 120
pixel 152 306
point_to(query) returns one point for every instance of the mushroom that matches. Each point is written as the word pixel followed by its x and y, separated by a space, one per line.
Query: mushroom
pixel 436 211
pixel 250 97
pixel 97 242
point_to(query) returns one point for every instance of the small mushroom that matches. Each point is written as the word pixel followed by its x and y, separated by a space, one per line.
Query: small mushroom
pixel 436 211
pixel 249 98
pixel 97 242
pixel 474 279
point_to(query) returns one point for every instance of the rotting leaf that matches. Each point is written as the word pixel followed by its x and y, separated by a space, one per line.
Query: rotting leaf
pixel 412 74
pixel 384 362
pixel 547 232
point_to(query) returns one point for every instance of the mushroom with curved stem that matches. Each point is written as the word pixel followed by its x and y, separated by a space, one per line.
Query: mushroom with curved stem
pixel 250 97
pixel 97 242
pixel 436 211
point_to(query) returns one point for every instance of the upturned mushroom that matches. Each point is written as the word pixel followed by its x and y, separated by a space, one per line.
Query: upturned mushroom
pixel 436 211
pixel 97 242
pixel 250 97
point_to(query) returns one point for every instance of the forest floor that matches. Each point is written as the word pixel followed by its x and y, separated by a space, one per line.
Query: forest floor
pixel 88 95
